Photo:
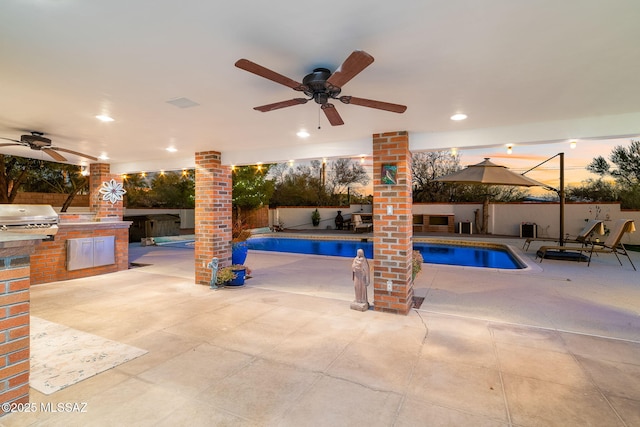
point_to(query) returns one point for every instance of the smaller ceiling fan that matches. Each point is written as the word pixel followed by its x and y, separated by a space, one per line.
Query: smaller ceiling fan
pixel 36 141
pixel 322 86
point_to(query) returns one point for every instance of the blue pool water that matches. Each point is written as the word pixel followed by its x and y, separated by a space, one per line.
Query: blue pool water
pixel 433 253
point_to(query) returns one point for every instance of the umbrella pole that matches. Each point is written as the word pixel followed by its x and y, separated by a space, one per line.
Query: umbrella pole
pixel 561 195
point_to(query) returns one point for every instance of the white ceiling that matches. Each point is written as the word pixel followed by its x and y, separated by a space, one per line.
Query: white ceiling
pixel 524 71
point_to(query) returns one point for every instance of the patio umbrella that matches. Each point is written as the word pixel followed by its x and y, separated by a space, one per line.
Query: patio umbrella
pixel 488 173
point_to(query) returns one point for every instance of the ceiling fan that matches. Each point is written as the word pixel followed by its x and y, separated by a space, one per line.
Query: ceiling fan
pixel 322 86
pixel 36 141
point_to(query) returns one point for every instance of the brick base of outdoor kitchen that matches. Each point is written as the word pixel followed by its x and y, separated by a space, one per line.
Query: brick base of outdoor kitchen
pixel 48 263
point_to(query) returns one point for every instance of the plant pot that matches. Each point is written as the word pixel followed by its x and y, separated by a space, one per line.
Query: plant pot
pixel 239 280
pixel 239 252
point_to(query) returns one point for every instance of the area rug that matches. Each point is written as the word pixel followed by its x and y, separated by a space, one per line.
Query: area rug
pixel 62 356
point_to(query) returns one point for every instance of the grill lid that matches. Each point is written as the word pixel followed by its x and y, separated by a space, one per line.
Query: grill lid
pixel 27 214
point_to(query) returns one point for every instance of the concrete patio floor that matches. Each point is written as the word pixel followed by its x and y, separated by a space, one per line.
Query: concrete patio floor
pixel 555 345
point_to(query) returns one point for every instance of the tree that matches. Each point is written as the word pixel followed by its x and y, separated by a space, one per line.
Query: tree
pixel 251 188
pixel 316 183
pixel 299 186
pixel 60 178
pixel 593 190
pixel 425 168
pixel 173 190
pixel 137 194
pixel 626 172
pixel 15 171
pixel 627 160
pixel 344 173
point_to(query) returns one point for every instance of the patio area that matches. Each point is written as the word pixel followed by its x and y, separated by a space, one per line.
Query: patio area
pixel 557 344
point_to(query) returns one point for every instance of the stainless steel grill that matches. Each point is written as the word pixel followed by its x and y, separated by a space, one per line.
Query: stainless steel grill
pixel 28 219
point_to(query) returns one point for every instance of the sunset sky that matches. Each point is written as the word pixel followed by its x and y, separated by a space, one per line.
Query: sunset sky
pixel 525 157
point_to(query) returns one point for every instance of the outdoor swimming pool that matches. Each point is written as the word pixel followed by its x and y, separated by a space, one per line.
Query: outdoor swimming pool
pixel 493 256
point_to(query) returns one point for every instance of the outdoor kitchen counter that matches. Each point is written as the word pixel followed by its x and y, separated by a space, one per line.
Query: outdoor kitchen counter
pixel 49 262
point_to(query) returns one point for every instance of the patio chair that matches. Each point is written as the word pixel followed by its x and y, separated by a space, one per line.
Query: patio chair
pixel 613 244
pixel 359 226
pixel 583 237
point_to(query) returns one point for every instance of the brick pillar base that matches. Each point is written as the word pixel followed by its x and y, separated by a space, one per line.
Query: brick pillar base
pixel 393 232
pixel 14 321
pixel 212 214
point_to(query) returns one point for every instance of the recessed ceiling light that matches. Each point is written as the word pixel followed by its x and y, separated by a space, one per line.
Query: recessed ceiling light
pixel 104 118
pixel 103 157
pixel 459 116
pixel 303 133
pixel 172 149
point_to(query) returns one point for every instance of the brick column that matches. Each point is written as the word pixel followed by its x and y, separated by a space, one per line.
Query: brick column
pixel 212 214
pixel 14 321
pixel 99 173
pixel 393 233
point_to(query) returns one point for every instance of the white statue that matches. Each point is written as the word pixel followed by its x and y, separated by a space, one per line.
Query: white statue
pixel 361 275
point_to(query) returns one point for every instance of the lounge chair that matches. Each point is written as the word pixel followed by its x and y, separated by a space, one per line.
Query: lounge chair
pixel 359 226
pixel 592 226
pixel 613 244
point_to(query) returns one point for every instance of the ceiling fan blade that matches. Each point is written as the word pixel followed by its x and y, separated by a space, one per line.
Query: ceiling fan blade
pixel 8 144
pixel 9 139
pixel 57 156
pixel 352 66
pixel 86 156
pixel 332 114
pixel 261 71
pixel 387 106
pixel 281 104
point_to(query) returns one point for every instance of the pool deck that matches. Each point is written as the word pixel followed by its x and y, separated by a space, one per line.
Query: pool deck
pixel 556 345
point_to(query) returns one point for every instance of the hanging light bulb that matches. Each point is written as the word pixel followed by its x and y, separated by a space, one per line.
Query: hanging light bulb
pixel 509 149
pixel 573 143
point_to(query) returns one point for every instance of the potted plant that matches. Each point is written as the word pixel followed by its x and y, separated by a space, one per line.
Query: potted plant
pixel 416 264
pixel 239 247
pixel 240 272
pixel 315 218
pixel 225 276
